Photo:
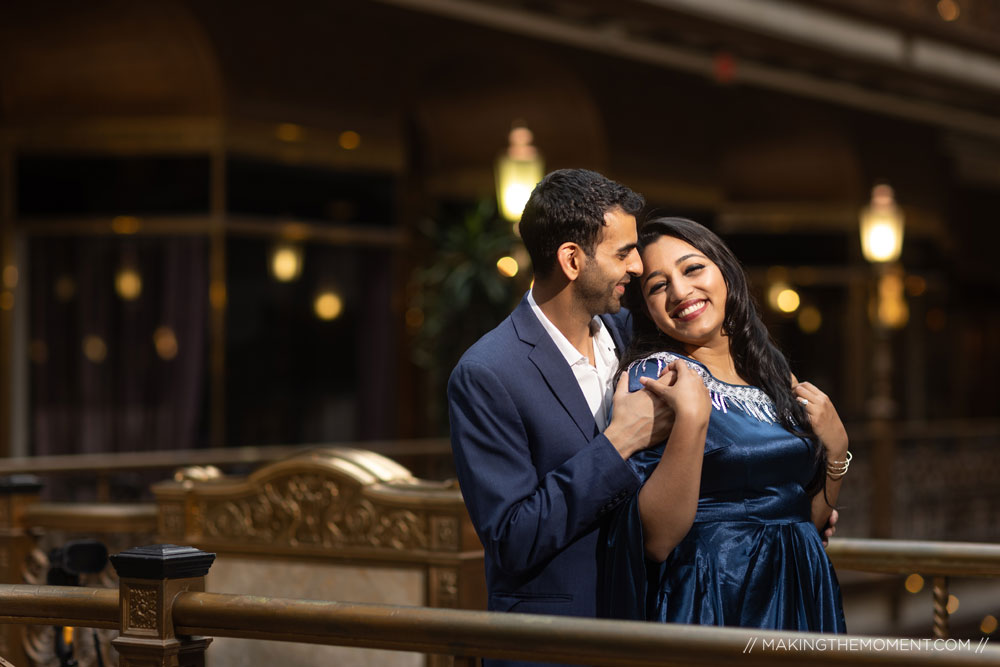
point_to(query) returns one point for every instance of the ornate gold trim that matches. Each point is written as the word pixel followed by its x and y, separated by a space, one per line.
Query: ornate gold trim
pixel 346 502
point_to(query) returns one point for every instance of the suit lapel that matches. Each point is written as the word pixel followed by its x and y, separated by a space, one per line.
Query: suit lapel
pixel 553 367
pixel 620 328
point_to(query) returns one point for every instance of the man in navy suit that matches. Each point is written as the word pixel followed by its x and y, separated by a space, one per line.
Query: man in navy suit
pixel 538 460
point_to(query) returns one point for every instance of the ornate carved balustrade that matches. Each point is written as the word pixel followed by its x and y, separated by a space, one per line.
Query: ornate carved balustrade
pixel 17 494
pixel 332 523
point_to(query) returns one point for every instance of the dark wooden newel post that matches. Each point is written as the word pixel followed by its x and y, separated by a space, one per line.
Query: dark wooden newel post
pixel 149 579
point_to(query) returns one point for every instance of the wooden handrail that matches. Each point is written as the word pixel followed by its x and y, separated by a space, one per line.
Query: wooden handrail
pixel 928 430
pixel 953 559
pixel 120 461
pixel 59 605
pixel 486 634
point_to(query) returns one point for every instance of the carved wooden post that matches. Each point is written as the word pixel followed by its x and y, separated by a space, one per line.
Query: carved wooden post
pixel 941 607
pixel 17 492
pixel 149 579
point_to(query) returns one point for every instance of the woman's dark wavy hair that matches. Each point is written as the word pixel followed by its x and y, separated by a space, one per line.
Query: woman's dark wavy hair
pixel 757 359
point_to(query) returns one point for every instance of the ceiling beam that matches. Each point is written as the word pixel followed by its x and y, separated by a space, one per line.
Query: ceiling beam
pixel 616 41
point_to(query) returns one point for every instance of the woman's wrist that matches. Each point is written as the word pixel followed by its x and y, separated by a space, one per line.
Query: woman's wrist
pixel 691 417
pixel 837 468
pixel 836 453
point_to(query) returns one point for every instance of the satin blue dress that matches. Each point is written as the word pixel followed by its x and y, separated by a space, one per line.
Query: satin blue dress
pixel 753 557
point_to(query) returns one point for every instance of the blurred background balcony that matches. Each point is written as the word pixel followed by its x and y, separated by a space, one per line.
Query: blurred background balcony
pixel 236 224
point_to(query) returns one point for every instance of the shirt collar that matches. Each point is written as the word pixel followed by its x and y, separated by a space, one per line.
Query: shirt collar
pixel 569 352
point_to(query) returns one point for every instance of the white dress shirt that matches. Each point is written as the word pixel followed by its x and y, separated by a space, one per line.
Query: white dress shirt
pixel 594 380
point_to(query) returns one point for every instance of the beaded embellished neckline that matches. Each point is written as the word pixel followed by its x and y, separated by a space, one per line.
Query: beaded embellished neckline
pixel 748 399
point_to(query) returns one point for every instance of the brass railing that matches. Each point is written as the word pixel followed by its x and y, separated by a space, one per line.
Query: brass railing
pixel 482 634
pixel 128 461
pixel 102 466
pixel 938 560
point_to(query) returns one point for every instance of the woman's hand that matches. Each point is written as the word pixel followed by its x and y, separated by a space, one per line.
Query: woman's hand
pixel 685 392
pixel 824 419
pixel 668 501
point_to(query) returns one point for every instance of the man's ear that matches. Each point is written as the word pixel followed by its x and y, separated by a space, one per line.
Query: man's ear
pixel 570 258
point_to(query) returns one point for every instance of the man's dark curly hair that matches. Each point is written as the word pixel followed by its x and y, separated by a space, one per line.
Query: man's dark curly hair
pixel 568 205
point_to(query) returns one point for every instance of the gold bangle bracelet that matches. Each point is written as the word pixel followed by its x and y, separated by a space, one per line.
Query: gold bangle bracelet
pixel 837 469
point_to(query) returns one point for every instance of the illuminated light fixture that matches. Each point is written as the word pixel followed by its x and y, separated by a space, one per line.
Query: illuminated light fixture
pixel 286 262
pixel 128 284
pixel 289 132
pixel 349 140
pixel 125 224
pixel 95 349
pixel 518 170
pixel 65 288
pixel 507 266
pixel 781 297
pixel 810 319
pixel 328 305
pixel 165 341
pixel 10 276
pixel 989 625
pixel 882 227
pixel 724 67
pixel 948 9
pixel 952 605
pixel 889 305
pixel 914 583
pixel 788 301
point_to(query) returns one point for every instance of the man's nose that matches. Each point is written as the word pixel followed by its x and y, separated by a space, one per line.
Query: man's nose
pixel 633 263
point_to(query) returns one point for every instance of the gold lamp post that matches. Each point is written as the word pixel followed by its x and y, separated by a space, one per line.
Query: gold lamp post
pixel 882 243
pixel 518 170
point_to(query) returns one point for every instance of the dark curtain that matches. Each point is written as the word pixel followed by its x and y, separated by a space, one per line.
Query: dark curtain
pixel 110 374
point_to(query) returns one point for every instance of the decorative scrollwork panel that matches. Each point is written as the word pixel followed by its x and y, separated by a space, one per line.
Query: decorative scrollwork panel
pixel 310 509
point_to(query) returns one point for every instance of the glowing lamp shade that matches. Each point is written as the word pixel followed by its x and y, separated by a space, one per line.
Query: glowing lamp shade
pixel 882 227
pixel 518 170
pixel 286 262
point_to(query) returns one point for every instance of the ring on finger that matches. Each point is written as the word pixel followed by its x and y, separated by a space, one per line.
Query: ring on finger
pixel 803 401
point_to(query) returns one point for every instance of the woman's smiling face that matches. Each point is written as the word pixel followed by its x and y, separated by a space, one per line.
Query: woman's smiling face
pixel 684 291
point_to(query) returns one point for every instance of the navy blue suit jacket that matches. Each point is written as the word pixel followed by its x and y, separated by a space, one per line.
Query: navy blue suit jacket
pixel 537 476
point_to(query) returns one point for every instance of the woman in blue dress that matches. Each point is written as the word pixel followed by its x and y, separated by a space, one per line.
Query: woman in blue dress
pixel 725 529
